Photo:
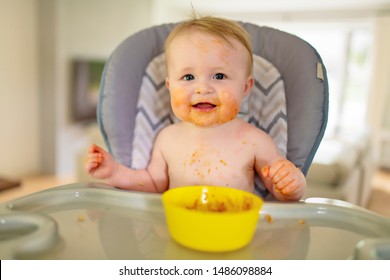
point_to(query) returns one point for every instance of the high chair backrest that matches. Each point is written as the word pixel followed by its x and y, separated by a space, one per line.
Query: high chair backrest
pixel 289 100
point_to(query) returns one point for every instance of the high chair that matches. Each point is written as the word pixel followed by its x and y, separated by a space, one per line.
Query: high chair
pixel 289 99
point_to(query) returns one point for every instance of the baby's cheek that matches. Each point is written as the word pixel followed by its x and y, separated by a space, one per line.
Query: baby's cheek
pixel 230 107
pixel 180 104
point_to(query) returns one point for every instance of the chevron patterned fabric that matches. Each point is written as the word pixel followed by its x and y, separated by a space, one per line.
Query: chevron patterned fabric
pixel 264 107
pixel 153 111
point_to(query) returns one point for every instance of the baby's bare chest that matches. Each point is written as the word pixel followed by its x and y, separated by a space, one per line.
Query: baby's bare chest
pixel 218 162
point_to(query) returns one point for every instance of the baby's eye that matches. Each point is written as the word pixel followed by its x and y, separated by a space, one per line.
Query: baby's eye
pixel 219 76
pixel 188 77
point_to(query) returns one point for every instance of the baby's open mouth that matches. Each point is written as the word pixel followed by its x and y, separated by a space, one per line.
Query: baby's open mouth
pixel 204 106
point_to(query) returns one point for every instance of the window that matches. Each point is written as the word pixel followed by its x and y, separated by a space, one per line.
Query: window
pixel 346 50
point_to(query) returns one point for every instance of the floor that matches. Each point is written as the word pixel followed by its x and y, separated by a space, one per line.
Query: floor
pixel 380 197
pixel 379 202
pixel 33 184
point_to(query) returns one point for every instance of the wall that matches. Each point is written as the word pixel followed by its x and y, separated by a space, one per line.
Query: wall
pixel 165 11
pixel 19 95
pixel 38 40
pixel 88 29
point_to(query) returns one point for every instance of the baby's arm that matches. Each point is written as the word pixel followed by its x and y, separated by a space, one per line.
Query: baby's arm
pixel 101 165
pixel 280 176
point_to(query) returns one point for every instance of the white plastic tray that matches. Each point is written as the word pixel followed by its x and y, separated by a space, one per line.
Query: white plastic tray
pixel 94 221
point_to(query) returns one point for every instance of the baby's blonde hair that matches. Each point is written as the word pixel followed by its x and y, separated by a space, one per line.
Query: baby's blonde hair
pixel 219 27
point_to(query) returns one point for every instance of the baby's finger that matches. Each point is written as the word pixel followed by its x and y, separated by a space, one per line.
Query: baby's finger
pixel 90 166
pixel 274 169
pixel 281 174
pixel 265 171
pixel 96 149
pixel 93 148
pixel 93 158
pixel 290 191
pixel 283 186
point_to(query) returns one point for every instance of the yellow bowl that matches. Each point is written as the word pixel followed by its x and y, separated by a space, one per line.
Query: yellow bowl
pixel 210 218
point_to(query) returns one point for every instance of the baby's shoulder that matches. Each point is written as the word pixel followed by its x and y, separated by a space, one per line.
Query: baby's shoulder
pixel 251 132
pixel 170 131
pixel 251 129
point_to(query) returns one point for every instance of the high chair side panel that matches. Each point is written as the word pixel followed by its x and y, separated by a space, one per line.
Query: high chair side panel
pixel 306 88
pixel 120 86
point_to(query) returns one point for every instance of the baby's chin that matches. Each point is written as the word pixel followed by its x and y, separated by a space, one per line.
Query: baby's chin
pixel 209 122
pixel 213 118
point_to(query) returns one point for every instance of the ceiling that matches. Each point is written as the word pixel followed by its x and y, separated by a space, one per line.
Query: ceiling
pixel 276 8
pixel 282 5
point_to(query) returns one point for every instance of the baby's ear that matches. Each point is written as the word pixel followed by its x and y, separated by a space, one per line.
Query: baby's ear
pixel 167 82
pixel 248 85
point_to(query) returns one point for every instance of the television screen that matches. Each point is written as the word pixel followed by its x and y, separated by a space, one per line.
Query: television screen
pixel 85 89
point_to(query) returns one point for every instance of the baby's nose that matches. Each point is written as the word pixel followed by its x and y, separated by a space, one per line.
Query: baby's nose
pixel 203 88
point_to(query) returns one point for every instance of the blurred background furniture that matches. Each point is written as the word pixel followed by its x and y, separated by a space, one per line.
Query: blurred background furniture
pixel 343 167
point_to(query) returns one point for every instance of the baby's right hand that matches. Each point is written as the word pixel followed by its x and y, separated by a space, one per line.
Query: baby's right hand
pixel 99 163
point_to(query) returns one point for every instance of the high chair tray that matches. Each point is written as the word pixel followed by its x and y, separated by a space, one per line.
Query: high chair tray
pixel 95 221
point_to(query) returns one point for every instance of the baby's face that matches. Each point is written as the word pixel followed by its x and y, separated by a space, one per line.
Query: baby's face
pixel 207 78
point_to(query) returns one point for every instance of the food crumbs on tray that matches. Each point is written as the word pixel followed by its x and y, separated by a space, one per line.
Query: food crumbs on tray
pixel 224 205
pixel 269 219
pixel 223 162
pixel 80 218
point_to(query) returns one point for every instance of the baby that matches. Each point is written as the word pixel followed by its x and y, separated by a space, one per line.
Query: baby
pixel 209 72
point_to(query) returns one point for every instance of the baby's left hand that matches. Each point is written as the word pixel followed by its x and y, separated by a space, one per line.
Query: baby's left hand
pixel 288 181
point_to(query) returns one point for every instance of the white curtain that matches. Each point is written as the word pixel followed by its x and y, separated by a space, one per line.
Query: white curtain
pixel 379 99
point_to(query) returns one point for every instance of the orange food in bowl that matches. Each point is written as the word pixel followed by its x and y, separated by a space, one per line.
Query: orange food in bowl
pixel 211 218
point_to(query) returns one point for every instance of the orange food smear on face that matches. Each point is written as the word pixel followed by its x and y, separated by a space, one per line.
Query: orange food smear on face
pixel 180 104
pixel 229 107
pixel 226 110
